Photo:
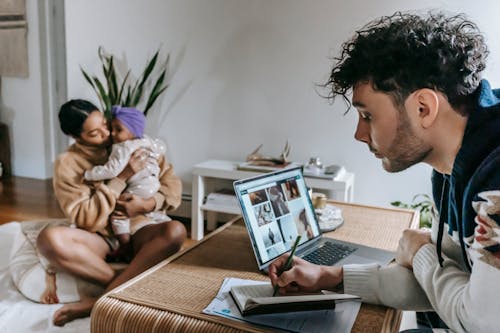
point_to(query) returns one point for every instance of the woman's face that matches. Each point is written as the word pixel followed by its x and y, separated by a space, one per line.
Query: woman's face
pixel 95 130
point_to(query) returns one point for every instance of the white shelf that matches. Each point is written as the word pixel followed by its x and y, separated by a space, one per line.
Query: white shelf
pixel 213 170
pixel 221 208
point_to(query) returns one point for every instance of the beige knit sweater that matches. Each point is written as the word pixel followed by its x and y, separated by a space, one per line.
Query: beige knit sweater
pixel 88 204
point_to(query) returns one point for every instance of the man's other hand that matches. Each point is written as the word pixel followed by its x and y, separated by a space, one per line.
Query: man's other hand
pixel 411 241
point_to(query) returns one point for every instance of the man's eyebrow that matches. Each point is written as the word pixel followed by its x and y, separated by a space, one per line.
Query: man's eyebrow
pixel 357 104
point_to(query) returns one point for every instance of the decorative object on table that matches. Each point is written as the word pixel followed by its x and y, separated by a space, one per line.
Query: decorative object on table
pixel 145 90
pixel 318 200
pixel 329 217
pixel 256 158
pixel 424 204
pixel 315 168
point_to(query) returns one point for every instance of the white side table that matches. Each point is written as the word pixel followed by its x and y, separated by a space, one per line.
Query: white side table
pixel 219 169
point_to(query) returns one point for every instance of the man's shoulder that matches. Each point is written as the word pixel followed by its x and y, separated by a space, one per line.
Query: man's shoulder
pixel 489 167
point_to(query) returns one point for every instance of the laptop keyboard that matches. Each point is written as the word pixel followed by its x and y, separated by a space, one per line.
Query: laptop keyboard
pixel 329 253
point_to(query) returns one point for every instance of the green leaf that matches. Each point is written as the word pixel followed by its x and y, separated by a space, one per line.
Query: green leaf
pixel 153 98
pixel 89 80
pixel 145 75
pixel 87 77
pixel 122 88
pixel 424 198
pixel 111 92
pixel 105 71
pixel 103 94
pixel 157 90
pixel 112 84
pixel 128 97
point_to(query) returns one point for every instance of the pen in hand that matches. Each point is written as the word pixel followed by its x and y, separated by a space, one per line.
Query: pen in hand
pixel 288 264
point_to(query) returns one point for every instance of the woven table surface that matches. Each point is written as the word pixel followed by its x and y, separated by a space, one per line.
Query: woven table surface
pixel 170 296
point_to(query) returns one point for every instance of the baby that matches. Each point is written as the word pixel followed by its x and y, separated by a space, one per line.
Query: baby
pixel 127 127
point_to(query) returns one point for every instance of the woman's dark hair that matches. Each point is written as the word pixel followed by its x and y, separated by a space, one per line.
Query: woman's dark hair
pixel 401 53
pixel 73 114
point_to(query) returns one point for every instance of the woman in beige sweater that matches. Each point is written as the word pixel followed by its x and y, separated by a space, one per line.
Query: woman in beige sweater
pixel 88 205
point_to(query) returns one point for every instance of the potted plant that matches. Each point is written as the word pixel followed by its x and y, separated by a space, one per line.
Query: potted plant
pixel 124 91
pixel 424 204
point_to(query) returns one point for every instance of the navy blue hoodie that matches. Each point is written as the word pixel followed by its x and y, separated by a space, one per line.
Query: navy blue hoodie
pixel 476 170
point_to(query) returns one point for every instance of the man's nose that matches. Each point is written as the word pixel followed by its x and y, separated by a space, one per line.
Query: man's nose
pixel 362 133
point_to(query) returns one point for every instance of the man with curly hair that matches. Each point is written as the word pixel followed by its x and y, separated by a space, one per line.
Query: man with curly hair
pixel 416 84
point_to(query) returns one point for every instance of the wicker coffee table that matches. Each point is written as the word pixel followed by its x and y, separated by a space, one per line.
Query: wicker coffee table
pixel 170 296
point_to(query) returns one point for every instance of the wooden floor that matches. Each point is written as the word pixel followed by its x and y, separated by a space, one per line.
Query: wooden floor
pixel 25 199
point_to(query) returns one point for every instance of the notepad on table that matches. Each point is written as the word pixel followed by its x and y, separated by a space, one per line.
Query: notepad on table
pixel 258 299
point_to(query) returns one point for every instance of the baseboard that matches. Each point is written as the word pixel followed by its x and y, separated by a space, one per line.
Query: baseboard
pixel 184 210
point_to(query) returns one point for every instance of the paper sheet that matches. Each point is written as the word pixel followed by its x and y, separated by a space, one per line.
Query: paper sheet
pixel 339 320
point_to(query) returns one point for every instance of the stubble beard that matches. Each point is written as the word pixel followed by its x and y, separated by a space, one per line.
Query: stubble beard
pixel 407 148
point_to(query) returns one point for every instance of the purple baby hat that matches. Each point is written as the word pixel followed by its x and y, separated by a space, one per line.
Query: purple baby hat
pixel 132 118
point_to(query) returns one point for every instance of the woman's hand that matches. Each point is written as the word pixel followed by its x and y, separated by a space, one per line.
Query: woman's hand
pixel 304 276
pixel 136 163
pixel 130 205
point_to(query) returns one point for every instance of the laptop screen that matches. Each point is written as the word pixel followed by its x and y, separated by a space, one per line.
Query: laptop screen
pixel 276 208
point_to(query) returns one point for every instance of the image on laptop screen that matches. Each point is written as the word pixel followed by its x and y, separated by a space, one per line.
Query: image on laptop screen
pixel 276 208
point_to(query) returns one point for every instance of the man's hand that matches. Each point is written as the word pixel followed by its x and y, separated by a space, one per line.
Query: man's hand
pixel 130 205
pixel 411 241
pixel 304 276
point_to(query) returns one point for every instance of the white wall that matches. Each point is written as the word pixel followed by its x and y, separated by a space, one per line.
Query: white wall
pixel 22 109
pixel 245 73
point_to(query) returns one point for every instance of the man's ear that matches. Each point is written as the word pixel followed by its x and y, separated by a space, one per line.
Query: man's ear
pixel 427 101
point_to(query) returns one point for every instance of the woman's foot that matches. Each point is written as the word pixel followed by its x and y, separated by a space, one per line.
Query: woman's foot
pixel 49 295
pixel 72 311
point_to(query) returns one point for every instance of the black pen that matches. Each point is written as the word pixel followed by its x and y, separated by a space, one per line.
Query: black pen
pixel 288 264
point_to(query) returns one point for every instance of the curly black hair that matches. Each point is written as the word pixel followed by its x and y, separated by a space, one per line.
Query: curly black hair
pixel 401 53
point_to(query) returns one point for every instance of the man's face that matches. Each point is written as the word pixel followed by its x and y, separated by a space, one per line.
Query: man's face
pixel 386 130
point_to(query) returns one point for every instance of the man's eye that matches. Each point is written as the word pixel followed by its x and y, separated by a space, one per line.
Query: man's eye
pixel 365 116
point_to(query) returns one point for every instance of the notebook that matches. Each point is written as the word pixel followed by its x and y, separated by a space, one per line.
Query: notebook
pixel 276 207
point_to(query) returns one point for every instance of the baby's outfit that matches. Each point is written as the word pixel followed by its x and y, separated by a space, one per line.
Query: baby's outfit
pixel 144 183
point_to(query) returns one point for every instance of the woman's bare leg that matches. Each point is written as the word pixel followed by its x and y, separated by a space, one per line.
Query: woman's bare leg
pixel 49 295
pixel 152 244
pixel 77 252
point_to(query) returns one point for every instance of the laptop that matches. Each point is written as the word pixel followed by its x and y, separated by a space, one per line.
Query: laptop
pixel 276 208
